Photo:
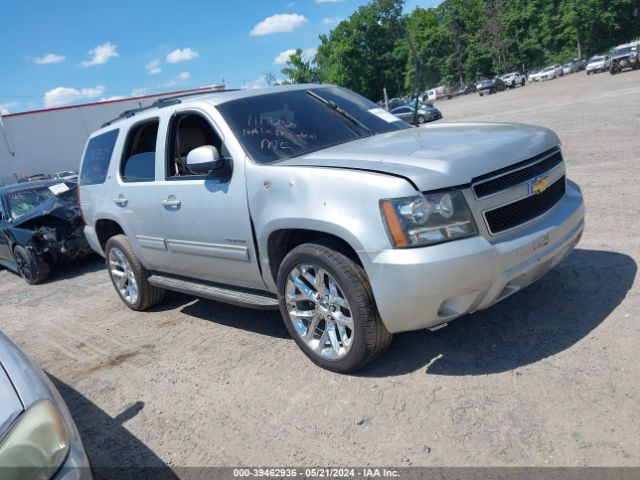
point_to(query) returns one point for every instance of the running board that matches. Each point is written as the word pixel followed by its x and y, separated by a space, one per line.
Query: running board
pixel 262 301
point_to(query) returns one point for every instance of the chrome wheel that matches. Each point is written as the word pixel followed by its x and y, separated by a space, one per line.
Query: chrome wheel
pixel 319 311
pixel 123 276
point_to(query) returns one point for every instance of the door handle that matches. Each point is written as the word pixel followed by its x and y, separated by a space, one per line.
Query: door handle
pixel 171 201
pixel 121 200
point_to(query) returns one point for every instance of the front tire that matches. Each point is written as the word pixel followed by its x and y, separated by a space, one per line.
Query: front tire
pixel 33 270
pixel 328 308
pixel 421 120
pixel 128 275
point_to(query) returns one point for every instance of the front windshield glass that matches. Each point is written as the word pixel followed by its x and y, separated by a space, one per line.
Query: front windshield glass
pixel 623 51
pixel 282 125
pixel 24 200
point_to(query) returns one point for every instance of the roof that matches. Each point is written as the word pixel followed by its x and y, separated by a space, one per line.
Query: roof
pixel 213 97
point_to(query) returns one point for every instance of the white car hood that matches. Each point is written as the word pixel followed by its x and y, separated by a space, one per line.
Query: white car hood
pixel 437 156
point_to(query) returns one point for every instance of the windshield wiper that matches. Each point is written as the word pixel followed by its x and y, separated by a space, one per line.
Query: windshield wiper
pixel 336 108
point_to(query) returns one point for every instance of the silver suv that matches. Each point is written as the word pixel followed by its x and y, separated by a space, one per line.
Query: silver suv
pixel 314 200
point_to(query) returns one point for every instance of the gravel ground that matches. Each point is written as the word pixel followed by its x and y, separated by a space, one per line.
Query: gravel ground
pixel 548 377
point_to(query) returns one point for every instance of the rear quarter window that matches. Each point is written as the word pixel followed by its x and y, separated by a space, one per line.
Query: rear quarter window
pixel 97 157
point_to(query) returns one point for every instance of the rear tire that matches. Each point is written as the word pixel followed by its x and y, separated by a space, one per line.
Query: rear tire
pixel 129 277
pixel 33 270
pixel 328 308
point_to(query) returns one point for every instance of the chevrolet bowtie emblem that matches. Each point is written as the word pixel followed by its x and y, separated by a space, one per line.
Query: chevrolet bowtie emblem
pixel 538 185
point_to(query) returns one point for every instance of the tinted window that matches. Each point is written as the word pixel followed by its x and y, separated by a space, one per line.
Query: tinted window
pixel 139 155
pixel 288 124
pixel 96 159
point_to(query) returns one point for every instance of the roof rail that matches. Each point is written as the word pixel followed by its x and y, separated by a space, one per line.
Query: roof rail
pixel 166 101
pixel 162 102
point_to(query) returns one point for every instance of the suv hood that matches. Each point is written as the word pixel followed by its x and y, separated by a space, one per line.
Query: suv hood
pixel 437 156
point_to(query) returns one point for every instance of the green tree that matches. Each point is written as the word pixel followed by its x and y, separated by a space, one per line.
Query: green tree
pixel 299 70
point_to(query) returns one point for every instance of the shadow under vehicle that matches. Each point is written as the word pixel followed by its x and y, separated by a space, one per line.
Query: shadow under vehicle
pixel 40 226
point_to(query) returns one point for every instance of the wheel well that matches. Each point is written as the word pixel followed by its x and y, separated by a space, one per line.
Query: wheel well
pixel 282 242
pixel 105 229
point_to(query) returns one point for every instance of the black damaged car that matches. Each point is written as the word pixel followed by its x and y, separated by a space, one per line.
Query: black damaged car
pixel 40 226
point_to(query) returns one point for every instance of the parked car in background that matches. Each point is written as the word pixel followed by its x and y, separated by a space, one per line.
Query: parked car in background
pixel 426 113
pixel 551 72
pixel 580 64
pixel 596 64
pixel 490 86
pixel 569 68
pixel 624 57
pixel 66 175
pixel 38 438
pixel 313 200
pixel 40 226
pixel 534 75
pixel 513 79
pixel 33 178
pixel 436 93
pixel 464 90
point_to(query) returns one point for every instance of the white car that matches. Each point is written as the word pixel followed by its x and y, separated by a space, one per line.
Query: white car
pixel 513 79
pixel 551 72
pixel 534 76
pixel 66 175
pixel 596 64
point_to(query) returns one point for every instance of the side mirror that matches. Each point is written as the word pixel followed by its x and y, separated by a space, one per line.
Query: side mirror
pixel 204 159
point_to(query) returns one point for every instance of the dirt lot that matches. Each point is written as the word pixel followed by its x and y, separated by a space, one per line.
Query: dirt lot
pixel 548 377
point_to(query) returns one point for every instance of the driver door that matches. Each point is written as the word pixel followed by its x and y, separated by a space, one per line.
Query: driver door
pixel 207 229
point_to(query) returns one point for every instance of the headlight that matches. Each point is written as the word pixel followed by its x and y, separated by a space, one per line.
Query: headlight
pixel 427 219
pixel 37 444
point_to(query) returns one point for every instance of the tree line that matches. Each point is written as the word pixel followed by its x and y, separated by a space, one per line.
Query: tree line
pixel 460 41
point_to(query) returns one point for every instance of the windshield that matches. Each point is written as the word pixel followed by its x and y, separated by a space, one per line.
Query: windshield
pixel 623 51
pixel 282 125
pixel 24 200
pixel 596 59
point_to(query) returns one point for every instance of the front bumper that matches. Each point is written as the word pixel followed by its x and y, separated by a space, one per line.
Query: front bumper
pixel 424 287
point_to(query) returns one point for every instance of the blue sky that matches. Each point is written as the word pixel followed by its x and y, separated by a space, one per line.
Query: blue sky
pixel 56 53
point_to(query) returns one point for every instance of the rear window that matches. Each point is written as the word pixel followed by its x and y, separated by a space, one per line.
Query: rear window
pixel 97 157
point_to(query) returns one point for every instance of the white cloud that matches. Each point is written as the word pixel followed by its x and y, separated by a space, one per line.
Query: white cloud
pixel 181 77
pixel 60 96
pixel 331 20
pixel 183 55
pixel 101 54
pixel 114 97
pixel 5 107
pixel 283 57
pixel 260 82
pixel 138 92
pixel 153 67
pixel 49 58
pixel 328 1
pixel 281 22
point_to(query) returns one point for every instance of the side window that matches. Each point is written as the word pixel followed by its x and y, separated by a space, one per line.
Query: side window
pixel 3 216
pixel 139 154
pixel 187 132
pixel 97 157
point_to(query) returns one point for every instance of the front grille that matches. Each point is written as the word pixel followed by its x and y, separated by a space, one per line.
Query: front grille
pixel 512 178
pixel 516 213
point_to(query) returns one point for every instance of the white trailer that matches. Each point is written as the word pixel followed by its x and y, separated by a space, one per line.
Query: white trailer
pixel 52 140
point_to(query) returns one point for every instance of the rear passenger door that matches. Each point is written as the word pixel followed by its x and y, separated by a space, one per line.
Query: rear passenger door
pixel 135 195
